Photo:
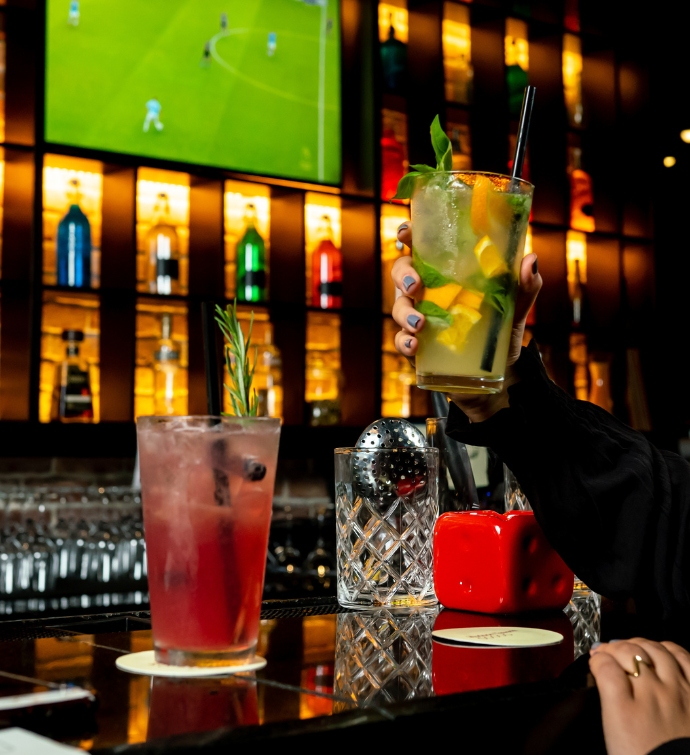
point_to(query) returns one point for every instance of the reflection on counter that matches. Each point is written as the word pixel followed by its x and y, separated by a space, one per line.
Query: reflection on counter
pixel 160 383
pixel 70 358
pixel 72 196
pixel 247 231
pixel 162 232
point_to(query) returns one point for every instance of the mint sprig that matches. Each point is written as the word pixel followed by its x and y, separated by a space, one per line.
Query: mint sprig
pixel 444 161
pixel 434 314
pixel 431 278
pixel 245 402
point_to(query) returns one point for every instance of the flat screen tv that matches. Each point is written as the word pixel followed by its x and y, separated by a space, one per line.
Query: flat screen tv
pixel 246 85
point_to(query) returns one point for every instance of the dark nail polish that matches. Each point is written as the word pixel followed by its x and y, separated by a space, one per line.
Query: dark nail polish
pixel 615 640
pixel 413 320
pixel 399 245
pixel 595 645
pixel 408 343
pixel 535 267
pixel 408 282
pixel 403 227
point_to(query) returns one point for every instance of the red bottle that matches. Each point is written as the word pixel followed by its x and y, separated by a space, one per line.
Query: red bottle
pixel 327 270
pixel 392 163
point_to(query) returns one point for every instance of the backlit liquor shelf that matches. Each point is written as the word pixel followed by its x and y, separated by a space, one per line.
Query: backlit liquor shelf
pixel 129 248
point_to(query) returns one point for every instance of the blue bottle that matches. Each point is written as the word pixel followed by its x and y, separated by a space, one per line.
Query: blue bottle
pixel 74 245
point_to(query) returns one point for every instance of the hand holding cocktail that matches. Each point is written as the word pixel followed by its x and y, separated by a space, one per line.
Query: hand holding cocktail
pixel 408 282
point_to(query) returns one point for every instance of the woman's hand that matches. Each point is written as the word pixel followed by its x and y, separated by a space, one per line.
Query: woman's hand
pixel 640 713
pixel 477 407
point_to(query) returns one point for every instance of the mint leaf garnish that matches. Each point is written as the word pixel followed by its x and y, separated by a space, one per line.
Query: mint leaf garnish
pixel 431 278
pixel 496 291
pixel 406 185
pixel 434 314
pixel 423 168
pixel 442 146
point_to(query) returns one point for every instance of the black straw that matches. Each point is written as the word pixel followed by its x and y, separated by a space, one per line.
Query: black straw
pixel 523 131
pixel 209 326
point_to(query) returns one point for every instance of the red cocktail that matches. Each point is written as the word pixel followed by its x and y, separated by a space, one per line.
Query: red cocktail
pixel 207 490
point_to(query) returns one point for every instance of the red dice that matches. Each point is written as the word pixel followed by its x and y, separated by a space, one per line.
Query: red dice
pixel 497 563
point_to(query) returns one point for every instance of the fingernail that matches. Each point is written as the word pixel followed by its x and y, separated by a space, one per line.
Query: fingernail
pixel 403 227
pixel 413 320
pixel 535 267
pixel 408 343
pixel 408 282
pixel 595 645
pixel 399 245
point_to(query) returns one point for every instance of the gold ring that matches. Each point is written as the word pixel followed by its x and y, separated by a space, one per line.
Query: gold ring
pixel 636 664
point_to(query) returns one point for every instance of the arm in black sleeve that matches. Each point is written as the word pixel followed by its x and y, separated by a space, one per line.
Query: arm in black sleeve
pixel 615 507
pixel 674 747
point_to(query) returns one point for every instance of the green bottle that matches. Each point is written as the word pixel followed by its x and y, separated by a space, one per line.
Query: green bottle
pixel 251 262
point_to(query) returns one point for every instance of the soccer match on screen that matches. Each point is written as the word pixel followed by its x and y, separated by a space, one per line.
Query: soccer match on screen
pixel 248 85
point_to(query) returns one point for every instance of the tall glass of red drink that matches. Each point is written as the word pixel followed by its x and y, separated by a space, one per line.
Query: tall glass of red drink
pixel 207 490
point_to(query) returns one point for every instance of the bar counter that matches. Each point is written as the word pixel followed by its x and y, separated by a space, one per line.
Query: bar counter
pixel 333 678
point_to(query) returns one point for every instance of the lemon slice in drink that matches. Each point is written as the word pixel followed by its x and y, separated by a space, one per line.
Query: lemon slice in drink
pixel 464 319
pixel 489 258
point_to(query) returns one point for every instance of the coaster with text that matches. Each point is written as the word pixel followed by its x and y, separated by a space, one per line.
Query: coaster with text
pixel 505 637
pixel 145 663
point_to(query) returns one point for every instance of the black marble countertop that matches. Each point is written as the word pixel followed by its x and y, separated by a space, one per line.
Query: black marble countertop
pixel 333 678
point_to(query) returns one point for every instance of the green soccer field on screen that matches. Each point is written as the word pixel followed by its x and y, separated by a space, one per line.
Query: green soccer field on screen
pixel 248 85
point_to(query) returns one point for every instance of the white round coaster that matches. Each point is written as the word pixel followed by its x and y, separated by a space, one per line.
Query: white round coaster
pixel 145 663
pixel 506 637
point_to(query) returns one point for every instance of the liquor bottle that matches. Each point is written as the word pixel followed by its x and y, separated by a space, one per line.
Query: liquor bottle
pixel 394 63
pixel 392 163
pixel 581 194
pixel 163 248
pixel 327 270
pixel 76 399
pixel 268 377
pixel 251 261
pixel 578 337
pixel 74 244
pixel 167 372
pixel 516 79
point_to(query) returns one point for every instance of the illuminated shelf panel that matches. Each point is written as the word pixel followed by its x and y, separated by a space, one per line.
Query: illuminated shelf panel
pixel 162 232
pixel 63 312
pixel 572 78
pixel 516 53
pixel 162 359
pixel 243 201
pixel 397 376
pixel 268 376
pixel 393 13
pixel 457 53
pixel 392 215
pixel 458 130
pixel 2 197
pixel 3 57
pixel 72 202
pixel 323 236
pixel 323 377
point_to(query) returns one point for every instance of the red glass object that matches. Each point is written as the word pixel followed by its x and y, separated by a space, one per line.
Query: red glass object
pixel 392 163
pixel 327 271
pixel 185 706
pixel 465 669
pixel 497 563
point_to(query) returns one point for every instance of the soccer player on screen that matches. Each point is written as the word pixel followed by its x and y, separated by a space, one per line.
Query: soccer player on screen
pixel 223 21
pixel 73 15
pixel 272 42
pixel 153 111
pixel 206 58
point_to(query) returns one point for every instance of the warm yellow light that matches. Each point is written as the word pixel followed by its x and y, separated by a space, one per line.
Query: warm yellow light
pixel 457 52
pixel 516 45
pixel 528 241
pixel 685 135
pixel 576 249
pixel 669 161
pixel 393 13
pixel 572 77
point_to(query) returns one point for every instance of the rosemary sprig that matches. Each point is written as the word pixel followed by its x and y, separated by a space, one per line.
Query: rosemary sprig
pixel 245 402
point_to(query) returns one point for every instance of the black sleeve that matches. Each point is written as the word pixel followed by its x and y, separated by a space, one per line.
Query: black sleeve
pixel 674 747
pixel 615 507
